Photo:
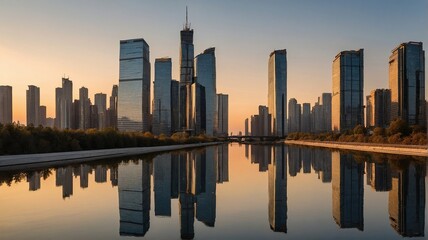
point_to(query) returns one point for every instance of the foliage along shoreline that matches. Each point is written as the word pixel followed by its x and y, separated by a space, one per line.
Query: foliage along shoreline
pixel 18 139
pixel 398 132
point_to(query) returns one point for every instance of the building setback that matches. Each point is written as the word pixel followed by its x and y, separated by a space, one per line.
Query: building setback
pixel 277 91
pixel 33 105
pixel 134 86
pixel 348 85
pixel 407 83
pixel 5 104
pixel 162 96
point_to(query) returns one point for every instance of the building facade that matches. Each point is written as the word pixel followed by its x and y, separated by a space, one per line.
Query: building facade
pixel 101 103
pixel 5 104
pixel 348 86
pixel 407 83
pixel 378 109
pixel 294 113
pixel 33 105
pixel 223 114
pixel 85 103
pixel 66 103
pixel 134 86
pixel 305 123
pixel 277 91
pixel 162 97
pixel 205 69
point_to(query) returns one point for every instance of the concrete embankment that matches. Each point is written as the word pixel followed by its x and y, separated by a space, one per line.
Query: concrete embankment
pixel 410 150
pixel 11 162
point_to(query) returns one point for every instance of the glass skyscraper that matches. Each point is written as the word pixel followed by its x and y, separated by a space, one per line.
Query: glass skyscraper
pixel 162 96
pixel 134 86
pixel 348 85
pixel 407 83
pixel 206 76
pixel 186 75
pixel 277 91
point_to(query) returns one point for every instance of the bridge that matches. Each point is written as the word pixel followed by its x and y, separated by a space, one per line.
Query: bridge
pixel 241 138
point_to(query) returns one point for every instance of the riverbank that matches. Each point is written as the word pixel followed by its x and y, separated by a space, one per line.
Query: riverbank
pixel 410 150
pixel 11 162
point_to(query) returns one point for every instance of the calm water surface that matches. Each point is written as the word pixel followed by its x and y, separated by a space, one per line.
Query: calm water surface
pixel 221 192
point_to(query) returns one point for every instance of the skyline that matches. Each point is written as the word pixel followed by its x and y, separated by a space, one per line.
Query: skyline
pixel 44 49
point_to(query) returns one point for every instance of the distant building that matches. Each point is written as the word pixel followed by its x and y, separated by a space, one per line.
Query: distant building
pixel 175 106
pixel 378 109
pixel 101 103
pixel 326 112
pixel 134 86
pixel 5 104
pixel 407 83
pixel 317 118
pixel 33 105
pixel 75 114
pixel 205 68
pixel 277 91
pixel 58 98
pixel 50 122
pixel 42 116
pixel 305 123
pixel 162 97
pixel 348 86
pixel 93 113
pixel 223 114
pixel 66 102
pixel 84 108
pixel 246 126
pixel 111 114
pixel 294 113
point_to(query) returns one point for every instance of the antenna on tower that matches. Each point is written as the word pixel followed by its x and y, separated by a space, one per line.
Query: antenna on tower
pixel 187 25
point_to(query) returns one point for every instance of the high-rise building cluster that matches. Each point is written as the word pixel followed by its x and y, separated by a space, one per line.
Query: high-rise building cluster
pixel 190 105
pixel 343 109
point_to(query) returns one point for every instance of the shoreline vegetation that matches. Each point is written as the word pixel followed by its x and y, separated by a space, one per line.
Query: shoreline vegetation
pixel 398 133
pixel 17 139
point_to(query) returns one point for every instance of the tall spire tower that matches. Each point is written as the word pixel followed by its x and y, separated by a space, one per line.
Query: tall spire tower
pixel 186 74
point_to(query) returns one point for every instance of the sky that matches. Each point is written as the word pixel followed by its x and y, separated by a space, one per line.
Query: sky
pixel 42 41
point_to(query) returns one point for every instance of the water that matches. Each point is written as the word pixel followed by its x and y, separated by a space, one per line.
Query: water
pixel 222 192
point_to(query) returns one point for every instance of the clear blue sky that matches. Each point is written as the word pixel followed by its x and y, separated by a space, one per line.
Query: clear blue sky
pixel 40 41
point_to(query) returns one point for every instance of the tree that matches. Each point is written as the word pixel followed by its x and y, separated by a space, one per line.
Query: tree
pixel 399 126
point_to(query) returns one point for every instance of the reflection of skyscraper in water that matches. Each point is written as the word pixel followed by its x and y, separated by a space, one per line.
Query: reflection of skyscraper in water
pixel 206 200
pixel 84 175
pixel 306 159
pixel 321 162
pixel 186 198
pixel 294 163
pixel 348 191
pixel 379 175
pixel 100 174
pixel 261 154
pixel 277 174
pixel 175 160
pixel 34 181
pixel 407 198
pixel 162 184
pixel 114 175
pixel 247 150
pixel 134 198
pixel 64 178
pixel 223 163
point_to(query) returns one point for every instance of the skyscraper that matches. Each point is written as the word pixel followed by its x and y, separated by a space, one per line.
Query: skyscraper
pixel 84 108
pixel 378 110
pixel 326 112
pixel 112 111
pixel 206 76
pixel 162 96
pixel 66 102
pixel 5 104
pixel 134 86
pixel 348 86
pixel 407 83
pixel 277 91
pixel 223 114
pixel 305 123
pixel 186 75
pixel 198 120
pixel 294 113
pixel 58 99
pixel 33 105
pixel 246 127
pixel 42 116
pixel 101 103
pixel 175 106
